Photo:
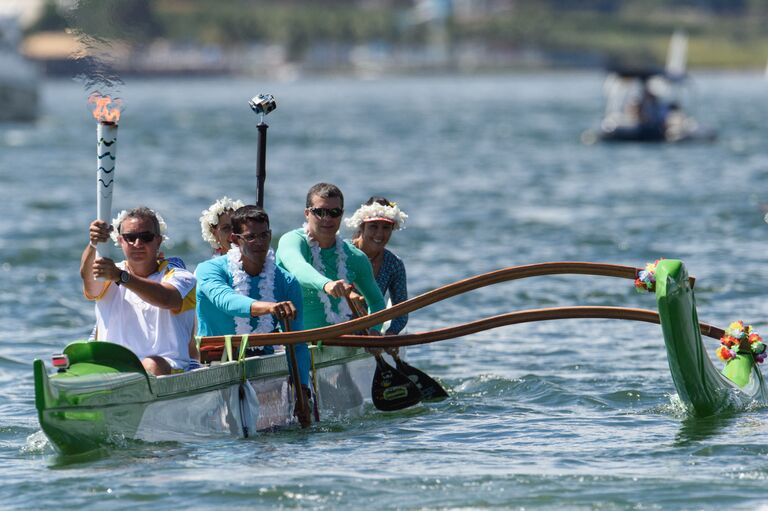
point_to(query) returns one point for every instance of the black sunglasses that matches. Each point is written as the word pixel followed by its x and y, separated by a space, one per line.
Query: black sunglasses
pixel 324 212
pixel 250 238
pixel 145 236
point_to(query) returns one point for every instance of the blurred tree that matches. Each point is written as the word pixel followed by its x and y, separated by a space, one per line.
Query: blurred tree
pixel 128 20
pixel 50 20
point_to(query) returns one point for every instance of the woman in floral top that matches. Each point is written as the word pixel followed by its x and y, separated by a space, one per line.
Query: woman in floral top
pixel 374 223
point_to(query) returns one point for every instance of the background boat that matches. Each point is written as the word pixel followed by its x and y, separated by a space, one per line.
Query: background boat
pixel 649 104
pixel 19 78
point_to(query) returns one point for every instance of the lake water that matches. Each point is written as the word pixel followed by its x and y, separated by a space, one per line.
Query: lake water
pixel 577 414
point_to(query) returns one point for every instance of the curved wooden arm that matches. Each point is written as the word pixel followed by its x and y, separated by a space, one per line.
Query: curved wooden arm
pixel 511 318
pixel 436 295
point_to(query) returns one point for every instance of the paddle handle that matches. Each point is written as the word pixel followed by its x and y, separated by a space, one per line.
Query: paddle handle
pixel 301 399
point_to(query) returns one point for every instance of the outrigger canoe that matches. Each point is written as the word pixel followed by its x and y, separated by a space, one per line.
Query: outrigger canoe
pixel 104 396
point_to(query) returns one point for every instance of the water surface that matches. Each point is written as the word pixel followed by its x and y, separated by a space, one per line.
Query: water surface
pixel 577 414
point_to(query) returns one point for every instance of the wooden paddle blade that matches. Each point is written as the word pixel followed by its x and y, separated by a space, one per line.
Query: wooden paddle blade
pixel 429 388
pixel 392 390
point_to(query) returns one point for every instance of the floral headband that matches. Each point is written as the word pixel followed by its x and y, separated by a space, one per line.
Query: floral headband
pixel 373 212
pixel 118 220
pixel 210 217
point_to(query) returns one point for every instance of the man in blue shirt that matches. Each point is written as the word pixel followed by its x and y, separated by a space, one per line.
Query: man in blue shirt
pixel 244 291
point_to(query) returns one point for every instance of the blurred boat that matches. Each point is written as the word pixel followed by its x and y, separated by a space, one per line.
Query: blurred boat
pixel 645 104
pixel 19 79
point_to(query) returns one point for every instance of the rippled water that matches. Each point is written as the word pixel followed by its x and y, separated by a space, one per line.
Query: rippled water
pixel 577 414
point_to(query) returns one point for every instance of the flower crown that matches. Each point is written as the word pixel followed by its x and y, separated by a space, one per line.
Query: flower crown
pixel 365 212
pixel 122 216
pixel 732 340
pixel 646 279
pixel 210 217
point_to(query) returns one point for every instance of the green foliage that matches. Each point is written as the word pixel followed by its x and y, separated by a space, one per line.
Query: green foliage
pixel 50 20
pixel 722 32
pixel 129 20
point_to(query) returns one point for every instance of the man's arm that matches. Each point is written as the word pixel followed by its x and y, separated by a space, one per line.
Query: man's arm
pixel 290 256
pixel 160 294
pixel 213 282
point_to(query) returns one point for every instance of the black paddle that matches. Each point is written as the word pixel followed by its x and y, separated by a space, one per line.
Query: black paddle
pixel 390 389
pixel 430 389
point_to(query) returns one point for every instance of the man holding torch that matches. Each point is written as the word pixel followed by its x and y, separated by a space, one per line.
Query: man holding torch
pixel 142 303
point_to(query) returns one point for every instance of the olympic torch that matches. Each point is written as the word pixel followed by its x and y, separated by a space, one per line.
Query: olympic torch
pixel 107 113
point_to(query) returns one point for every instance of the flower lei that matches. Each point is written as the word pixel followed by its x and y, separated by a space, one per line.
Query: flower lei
pixel 210 217
pixel 122 216
pixel 344 313
pixel 241 282
pixel 732 339
pixel 646 279
pixel 374 211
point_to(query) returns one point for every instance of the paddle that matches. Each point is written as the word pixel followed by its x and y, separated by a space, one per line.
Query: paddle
pixel 302 410
pixel 390 389
pixel 430 389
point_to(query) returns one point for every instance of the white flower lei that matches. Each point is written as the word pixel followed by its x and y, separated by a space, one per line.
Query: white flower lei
pixel 210 217
pixel 376 210
pixel 344 313
pixel 241 282
pixel 124 213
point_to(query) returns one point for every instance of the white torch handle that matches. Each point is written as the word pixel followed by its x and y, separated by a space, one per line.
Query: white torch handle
pixel 106 154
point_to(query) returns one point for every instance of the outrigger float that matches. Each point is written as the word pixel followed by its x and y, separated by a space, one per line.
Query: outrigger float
pixel 104 396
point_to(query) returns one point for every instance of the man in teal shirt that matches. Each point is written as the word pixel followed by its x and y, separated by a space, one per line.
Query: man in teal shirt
pixel 245 292
pixel 327 267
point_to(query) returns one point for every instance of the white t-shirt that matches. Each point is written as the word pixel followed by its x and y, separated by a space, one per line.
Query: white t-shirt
pixel 122 317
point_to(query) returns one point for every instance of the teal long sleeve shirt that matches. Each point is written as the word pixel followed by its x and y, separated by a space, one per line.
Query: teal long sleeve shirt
pixel 294 254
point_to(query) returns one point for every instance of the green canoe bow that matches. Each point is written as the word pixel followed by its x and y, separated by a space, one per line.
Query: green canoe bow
pixel 701 386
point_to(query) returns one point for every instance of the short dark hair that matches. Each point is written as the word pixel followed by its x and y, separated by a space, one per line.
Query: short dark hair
pixel 246 214
pixel 142 212
pixel 378 200
pixel 324 191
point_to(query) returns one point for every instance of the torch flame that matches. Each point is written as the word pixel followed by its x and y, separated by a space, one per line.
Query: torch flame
pixel 106 110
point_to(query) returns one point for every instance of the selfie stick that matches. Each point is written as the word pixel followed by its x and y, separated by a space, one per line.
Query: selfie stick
pixel 262 104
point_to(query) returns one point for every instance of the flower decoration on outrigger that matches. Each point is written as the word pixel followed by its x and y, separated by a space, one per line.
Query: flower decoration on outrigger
pixel 741 339
pixel 646 279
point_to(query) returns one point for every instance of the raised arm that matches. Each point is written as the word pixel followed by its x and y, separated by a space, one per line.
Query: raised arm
pixel 97 232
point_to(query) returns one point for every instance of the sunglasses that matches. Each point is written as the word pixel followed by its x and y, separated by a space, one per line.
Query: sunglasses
pixel 324 212
pixel 145 236
pixel 250 238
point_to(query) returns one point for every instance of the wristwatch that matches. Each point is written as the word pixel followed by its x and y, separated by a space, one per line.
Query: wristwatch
pixel 125 277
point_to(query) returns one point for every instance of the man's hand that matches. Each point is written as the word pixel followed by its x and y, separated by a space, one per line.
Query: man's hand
pixel 281 310
pixel 357 298
pixel 105 269
pixel 337 288
pixel 98 232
